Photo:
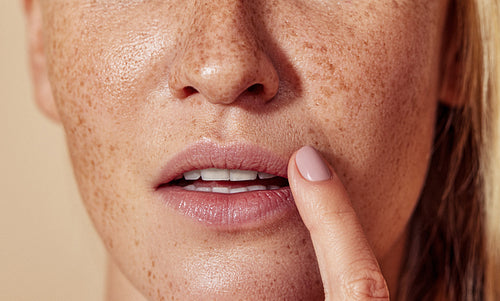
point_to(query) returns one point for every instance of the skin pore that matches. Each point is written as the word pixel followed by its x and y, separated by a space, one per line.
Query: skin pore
pixel 136 82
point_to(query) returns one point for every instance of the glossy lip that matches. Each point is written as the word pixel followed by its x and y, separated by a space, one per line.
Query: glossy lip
pixel 228 212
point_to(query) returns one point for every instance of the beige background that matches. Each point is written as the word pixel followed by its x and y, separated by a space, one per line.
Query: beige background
pixel 48 248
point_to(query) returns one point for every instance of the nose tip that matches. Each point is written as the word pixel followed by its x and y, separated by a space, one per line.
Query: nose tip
pixel 224 80
pixel 221 57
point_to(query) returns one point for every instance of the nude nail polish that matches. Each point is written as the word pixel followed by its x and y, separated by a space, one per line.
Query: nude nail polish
pixel 311 166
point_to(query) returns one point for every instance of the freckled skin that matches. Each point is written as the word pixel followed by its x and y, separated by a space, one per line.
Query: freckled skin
pixel 358 80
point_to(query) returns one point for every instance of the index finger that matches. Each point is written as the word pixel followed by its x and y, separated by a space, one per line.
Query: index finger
pixel 348 267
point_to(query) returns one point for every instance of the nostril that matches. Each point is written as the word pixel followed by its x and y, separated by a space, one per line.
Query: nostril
pixel 256 89
pixel 188 91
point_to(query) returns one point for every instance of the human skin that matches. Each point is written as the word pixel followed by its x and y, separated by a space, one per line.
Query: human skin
pixel 358 80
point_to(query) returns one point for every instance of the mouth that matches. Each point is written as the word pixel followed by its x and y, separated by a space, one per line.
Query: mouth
pixel 228 181
pixel 230 187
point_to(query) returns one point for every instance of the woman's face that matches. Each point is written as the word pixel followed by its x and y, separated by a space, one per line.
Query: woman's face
pixel 147 90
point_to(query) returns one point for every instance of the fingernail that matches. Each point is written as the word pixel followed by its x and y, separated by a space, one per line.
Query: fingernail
pixel 311 166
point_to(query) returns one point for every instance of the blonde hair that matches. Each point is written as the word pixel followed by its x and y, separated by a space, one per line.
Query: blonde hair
pixel 454 234
pixel 489 21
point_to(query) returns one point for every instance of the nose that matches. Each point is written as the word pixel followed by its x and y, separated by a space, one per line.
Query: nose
pixel 221 57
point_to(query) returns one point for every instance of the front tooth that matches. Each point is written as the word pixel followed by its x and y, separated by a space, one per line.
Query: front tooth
pixel 238 190
pixel 263 176
pixel 204 189
pixel 215 174
pixel 190 187
pixel 242 175
pixel 220 189
pixel 192 175
pixel 256 187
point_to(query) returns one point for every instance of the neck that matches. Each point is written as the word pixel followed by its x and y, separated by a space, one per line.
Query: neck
pixel 392 263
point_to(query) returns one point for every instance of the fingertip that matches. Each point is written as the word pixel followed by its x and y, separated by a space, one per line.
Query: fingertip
pixel 311 165
pixel 310 179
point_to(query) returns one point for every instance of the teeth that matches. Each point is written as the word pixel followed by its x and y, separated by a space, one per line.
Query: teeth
pixel 263 176
pixel 226 190
pixel 190 187
pixel 256 187
pixel 238 190
pixel 242 175
pixel 216 174
pixel 204 189
pixel 192 175
pixel 220 189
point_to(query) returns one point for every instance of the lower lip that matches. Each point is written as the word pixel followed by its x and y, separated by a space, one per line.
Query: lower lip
pixel 237 211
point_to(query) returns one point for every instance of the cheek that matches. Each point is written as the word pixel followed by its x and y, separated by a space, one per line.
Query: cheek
pixel 84 68
pixel 372 94
pixel 103 65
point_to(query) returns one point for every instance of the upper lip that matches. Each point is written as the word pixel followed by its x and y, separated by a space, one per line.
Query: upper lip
pixel 208 154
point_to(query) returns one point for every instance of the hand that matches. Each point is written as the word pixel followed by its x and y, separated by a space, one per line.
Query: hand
pixel 348 267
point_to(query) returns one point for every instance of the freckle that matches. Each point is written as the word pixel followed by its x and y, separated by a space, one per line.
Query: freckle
pixel 326 91
pixel 137 242
pixel 343 86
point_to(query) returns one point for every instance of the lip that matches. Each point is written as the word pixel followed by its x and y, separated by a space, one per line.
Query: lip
pixel 246 210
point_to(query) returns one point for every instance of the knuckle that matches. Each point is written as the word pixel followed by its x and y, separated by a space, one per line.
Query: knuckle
pixel 367 285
